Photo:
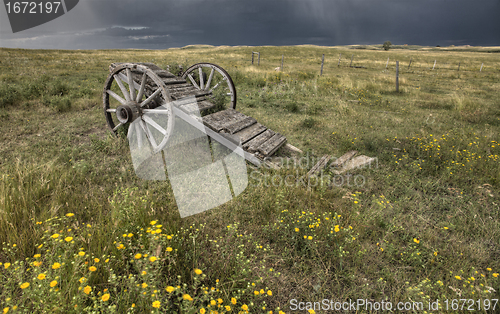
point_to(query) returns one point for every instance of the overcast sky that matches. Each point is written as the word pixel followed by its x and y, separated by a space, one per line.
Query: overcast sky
pixel 160 24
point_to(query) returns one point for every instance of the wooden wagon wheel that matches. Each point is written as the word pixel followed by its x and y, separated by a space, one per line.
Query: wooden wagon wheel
pixel 211 77
pixel 138 93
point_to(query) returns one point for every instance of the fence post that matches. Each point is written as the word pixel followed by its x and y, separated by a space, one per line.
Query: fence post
pixel 387 64
pixel 481 67
pixel 252 57
pixel 338 64
pixel 258 61
pixel 409 63
pixel 434 64
pixel 322 62
pixel 352 57
pixel 282 58
pixel 397 76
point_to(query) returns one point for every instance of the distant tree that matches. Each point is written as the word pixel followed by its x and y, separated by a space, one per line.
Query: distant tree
pixel 387 45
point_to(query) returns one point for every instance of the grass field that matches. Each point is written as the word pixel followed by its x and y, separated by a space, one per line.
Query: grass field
pixel 80 232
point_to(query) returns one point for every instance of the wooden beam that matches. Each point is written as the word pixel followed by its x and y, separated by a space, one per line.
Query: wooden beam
pixel 270 146
pixel 249 133
pixel 319 165
pixel 339 162
pixel 239 125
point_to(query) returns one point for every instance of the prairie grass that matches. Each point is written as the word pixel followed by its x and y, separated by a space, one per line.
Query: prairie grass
pixel 421 225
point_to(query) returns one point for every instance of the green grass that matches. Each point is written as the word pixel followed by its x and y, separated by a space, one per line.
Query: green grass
pixel 421 225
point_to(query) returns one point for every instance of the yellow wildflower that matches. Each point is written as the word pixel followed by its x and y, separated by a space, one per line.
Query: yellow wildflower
pixel 170 289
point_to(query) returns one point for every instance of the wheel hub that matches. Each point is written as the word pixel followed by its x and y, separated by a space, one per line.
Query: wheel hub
pixel 128 112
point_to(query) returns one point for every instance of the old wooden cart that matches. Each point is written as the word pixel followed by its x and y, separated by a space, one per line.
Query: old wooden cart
pixel 134 90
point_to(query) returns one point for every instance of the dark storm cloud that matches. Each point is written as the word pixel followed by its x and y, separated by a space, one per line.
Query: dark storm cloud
pixel 157 24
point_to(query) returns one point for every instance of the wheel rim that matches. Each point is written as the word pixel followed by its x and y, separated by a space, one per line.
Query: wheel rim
pixel 213 78
pixel 131 92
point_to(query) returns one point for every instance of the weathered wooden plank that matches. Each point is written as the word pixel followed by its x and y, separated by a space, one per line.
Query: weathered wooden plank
pixel 181 87
pixel 249 133
pixel 343 159
pixel 357 163
pixel 271 145
pixel 173 80
pixel 292 149
pixel 254 144
pixel 216 121
pixel 204 105
pixel 319 165
pixel 239 125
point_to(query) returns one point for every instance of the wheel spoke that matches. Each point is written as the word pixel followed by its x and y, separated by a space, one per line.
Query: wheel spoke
pixel 200 72
pixel 123 89
pixel 217 76
pixel 149 135
pixel 116 127
pixel 139 137
pixel 147 101
pixel 110 110
pixel 157 111
pixel 210 79
pixel 193 81
pixel 141 89
pixel 217 85
pixel 131 84
pixel 115 96
pixel 154 124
